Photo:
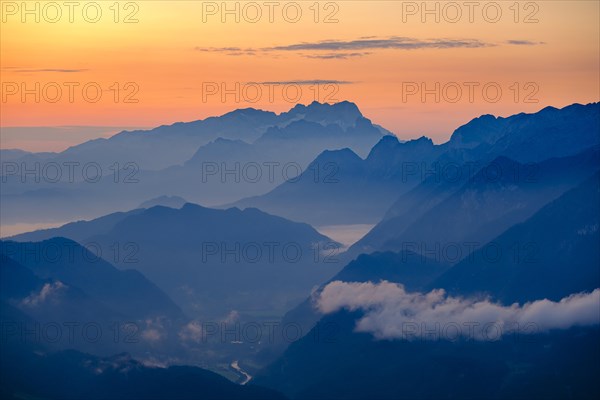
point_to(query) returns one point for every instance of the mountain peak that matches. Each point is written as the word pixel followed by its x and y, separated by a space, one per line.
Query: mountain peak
pixel 344 155
pixel 193 206
pixel 422 141
pixel 483 129
pixel 386 145
pixel 344 113
pixel 341 105
pixel 165 201
pixel 387 141
pixel 549 109
pixel 389 144
pixel 249 111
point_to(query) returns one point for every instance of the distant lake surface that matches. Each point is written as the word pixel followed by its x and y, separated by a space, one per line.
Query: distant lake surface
pixel 345 234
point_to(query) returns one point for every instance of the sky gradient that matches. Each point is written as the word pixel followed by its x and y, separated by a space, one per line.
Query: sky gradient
pixel 172 63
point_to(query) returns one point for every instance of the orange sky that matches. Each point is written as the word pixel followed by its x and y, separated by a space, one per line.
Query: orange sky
pixel 369 52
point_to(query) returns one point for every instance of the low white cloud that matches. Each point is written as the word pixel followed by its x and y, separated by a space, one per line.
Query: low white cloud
pixel 192 332
pixel 232 317
pixel 154 330
pixel 390 312
pixel 48 293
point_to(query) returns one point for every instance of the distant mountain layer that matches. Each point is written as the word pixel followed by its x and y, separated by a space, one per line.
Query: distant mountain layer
pixel 339 187
pixel 353 190
pixel 245 154
pixel 212 261
pixel 225 169
pixel 169 145
pixel 166 201
pixel 214 161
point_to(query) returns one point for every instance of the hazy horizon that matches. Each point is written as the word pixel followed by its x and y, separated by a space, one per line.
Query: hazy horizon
pixel 59 138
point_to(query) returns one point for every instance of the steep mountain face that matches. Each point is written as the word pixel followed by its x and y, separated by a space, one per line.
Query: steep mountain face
pixel 390 156
pixel 550 255
pixel 212 262
pixel 437 215
pixel 551 132
pixel 410 206
pixel 483 130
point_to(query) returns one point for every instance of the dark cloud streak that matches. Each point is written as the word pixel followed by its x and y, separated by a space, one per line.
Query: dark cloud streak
pixel 35 70
pixel 307 82
pixel 524 43
pixel 343 49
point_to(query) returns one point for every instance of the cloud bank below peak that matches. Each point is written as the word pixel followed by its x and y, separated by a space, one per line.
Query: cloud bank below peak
pixel 390 312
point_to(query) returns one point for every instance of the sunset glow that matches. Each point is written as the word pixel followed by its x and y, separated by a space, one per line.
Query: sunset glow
pixel 171 60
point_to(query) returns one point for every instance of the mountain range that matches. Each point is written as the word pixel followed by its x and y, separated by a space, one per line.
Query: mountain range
pixel 213 161
pixel 363 190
